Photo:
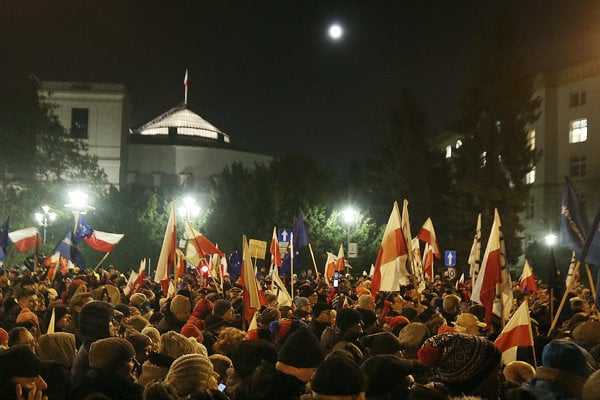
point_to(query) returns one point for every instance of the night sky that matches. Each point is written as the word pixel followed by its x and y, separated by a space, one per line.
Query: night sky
pixel 266 73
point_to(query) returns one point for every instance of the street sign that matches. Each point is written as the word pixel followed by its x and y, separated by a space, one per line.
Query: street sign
pixel 450 258
pixel 451 273
pixel 283 235
pixel 352 250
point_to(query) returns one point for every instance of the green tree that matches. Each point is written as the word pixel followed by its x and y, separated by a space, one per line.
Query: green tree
pixel 490 167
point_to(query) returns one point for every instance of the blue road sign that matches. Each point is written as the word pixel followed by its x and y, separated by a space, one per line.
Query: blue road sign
pixel 283 234
pixel 450 258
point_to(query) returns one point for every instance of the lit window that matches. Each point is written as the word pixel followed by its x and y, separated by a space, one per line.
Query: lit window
pixel 458 144
pixel 79 123
pixel 531 139
pixel 448 151
pixel 578 130
pixel 530 177
pixel 484 158
pixel 577 166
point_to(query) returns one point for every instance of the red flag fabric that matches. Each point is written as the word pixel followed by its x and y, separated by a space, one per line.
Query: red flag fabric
pixel 527 279
pixel 103 241
pixel 428 263
pixel 136 280
pixel 274 249
pixel 25 239
pixel 517 332
pixel 484 290
pixel 202 245
pixel 390 267
pixel 340 263
pixel 167 253
pixel 427 235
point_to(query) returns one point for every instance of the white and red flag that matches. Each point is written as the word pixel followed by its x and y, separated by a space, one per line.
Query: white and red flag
pixel 427 235
pixel 517 332
pixel 103 241
pixel 252 298
pixel 390 268
pixel 136 279
pixel 475 254
pixel 527 279
pixel 166 259
pixel 274 249
pixel 484 289
pixel 25 239
pixel 428 263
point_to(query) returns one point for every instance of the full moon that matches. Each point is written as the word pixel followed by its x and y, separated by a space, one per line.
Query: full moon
pixel 335 31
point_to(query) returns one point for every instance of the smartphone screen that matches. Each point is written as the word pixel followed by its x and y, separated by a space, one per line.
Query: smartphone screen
pixel 222 387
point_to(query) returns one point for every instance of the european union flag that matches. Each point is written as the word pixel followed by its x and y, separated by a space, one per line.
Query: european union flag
pixel 82 231
pixel 3 238
pixel 234 266
pixel 67 249
pixel 574 224
pixel 300 240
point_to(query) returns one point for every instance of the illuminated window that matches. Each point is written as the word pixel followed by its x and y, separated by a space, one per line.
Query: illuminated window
pixel 531 139
pixel 484 158
pixel 577 166
pixel 79 123
pixel 458 144
pixel 578 130
pixel 530 177
pixel 448 151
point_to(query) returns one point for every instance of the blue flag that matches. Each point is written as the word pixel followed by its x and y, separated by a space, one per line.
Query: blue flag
pixel 69 250
pixel 3 238
pixel 593 254
pixel 234 266
pixel 574 224
pixel 300 240
pixel 82 231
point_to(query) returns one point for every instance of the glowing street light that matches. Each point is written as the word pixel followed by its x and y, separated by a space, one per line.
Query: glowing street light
pixel 550 239
pixel 44 219
pixel 189 209
pixel 349 217
pixel 78 202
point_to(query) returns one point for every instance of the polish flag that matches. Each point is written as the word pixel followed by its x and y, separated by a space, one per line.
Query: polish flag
pixel 390 268
pixel 517 332
pixel 484 290
pixel 340 263
pixel 527 280
pixel 253 328
pixel 24 239
pixel 330 266
pixel 428 263
pixel 427 235
pixel 274 249
pixel 103 241
pixel 166 259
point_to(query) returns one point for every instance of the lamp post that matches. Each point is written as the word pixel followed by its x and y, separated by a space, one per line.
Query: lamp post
pixel 189 209
pixel 78 204
pixel 44 219
pixel 349 217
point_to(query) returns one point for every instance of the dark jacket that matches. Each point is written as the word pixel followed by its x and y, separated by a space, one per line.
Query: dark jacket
pixel 169 322
pixel 109 383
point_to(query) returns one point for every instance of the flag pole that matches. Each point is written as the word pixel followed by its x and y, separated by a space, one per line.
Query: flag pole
pixel 35 251
pixel 584 252
pixel 312 255
pixel 531 335
pixel 102 260
pixel 589 274
pixel 292 265
pixel 185 83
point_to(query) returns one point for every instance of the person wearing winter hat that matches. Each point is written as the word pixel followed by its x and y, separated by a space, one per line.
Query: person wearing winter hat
pixel 224 309
pixel 95 322
pixel 465 364
pixel 138 322
pixel 142 345
pixel 20 372
pixel 339 377
pixel 468 323
pixel 412 337
pixel 137 300
pixel 389 377
pixel 62 317
pixel 298 359
pixel 345 335
pixel 58 347
pixel 201 310
pixel 26 315
pixel 172 346
pixel 322 317
pixel 154 335
pixel 192 331
pixel 381 343
pixel 176 313
pixel 191 373
pixel 222 365
pixel 111 362
pixel 303 309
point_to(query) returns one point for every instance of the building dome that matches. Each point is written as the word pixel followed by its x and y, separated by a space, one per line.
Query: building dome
pixel 183 124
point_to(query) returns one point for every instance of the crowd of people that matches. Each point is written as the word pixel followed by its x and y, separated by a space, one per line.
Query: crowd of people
pixel 80 337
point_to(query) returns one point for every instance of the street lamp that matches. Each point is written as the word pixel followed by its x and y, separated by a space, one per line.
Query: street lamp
pixel 189 209
pixel 78 202
pixel 550 239
pixel 349 217
pixel 44 219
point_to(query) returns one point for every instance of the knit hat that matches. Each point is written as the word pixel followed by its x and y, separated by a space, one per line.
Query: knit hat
pixel 339 376
pixel 59 347
pixel 568 356
pixel 367 317
pixel 413 335
pixel 395 321
pixel 139 341
pixel 213 322
pixel 152 333
pixel 587 332
pixel 300 302
pixel 268 315
pixel 202 308
pixel 110 353
pixel 192 331
pixel 60 310
pixel 249 354
pixel 138 322
pixel 94 319
pixel 190 373
pixel 221 364
pixel 282 328
pixel 381 343
pixel 384 372
pixel 26 315
pixel 175 345
pixel 346 318
pixel 3 337
pixel 318 308
pixel 124 309
pixel 180 304
pixel 460 358
pixel 137 299
pixel 306 290
pixel 221 307
pixel 19 361
pixel 302 350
